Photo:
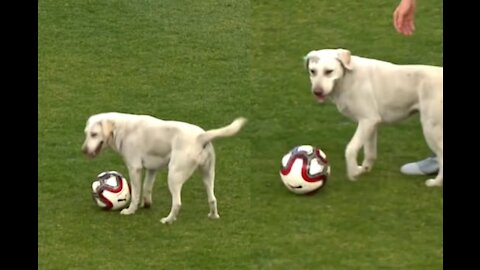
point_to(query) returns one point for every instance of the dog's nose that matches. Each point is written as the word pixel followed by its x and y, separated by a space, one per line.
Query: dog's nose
pixel 319 94
pixel 317 91
pixel 84 150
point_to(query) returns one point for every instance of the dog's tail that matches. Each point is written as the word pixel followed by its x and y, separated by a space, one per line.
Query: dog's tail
pixel 226 131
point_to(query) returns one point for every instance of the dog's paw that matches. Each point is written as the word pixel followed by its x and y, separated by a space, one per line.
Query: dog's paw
pixel 127 211
pixel 353 174
pixel 167 220
pixel 213 216
pixel 433 183
pixel 366 166
pixel 352 177
pixel 146 204
pixel 146 201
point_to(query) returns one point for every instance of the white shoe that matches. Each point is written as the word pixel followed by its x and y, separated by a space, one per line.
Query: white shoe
pixel 422 167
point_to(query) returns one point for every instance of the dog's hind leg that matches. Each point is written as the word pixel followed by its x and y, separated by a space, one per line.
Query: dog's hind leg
pixel 177 176
pixel 208 171
pixel 148 187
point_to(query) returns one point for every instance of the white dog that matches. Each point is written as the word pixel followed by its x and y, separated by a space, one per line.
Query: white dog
pixel 149 143
pixel 371 92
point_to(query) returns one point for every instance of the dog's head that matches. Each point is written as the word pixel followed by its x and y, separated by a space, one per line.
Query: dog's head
pixel 325 67
pixel 98 133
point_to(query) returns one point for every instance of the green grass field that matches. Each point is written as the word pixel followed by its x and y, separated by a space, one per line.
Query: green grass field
pixel 207 62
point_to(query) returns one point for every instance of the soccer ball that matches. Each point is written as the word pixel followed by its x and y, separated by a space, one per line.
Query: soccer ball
pixel 305 169
pixel 111 191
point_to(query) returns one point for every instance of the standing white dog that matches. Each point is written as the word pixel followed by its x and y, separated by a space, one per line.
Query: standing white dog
pixel 146 142
pixel 371 92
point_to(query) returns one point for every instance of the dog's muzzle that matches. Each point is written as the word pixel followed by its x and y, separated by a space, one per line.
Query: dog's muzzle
pixel 93 153
pixel 319 94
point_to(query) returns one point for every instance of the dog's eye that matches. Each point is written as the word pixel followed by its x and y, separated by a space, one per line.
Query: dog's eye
pixel 313 72
pixel 93 134
pixel 328 71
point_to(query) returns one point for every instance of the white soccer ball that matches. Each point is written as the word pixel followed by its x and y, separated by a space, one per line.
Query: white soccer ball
pixel 111 191
pixel 305 169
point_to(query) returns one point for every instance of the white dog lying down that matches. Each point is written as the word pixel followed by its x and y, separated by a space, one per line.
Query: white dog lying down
pixel 149 143
pixel 371 92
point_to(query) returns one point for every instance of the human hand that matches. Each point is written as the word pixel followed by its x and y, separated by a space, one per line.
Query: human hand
pixel 404 17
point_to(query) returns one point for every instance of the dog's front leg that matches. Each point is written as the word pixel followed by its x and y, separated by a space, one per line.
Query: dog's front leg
pixel 370 151
pixel 365 130
pixel 148 187
pixel 135 174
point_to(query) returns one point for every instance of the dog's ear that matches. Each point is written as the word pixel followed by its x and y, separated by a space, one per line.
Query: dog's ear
pixel 306 59
pixel 107 129
pixel 310 57
pixel 345 58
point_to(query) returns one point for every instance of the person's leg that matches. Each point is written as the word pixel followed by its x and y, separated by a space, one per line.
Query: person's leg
pixel 422 167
